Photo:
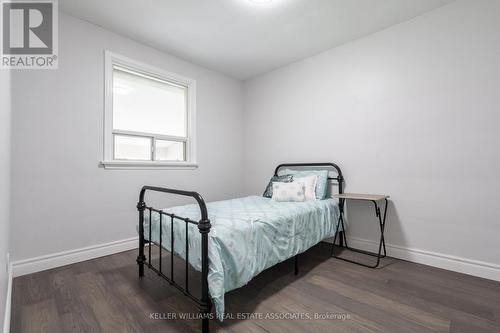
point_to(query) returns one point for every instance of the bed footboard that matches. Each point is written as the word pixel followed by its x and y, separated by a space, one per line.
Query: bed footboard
pixel 203 227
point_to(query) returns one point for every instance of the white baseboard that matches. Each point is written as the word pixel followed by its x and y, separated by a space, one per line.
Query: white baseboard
pixel 462 265
pixel 37 264
pixel 453 263
pixel 8 301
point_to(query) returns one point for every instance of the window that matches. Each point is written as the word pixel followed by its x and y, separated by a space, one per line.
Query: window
pixel 149 116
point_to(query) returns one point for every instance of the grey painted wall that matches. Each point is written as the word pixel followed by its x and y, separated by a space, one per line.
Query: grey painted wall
pixel 5 114
pixel 412 111
pixel 61 199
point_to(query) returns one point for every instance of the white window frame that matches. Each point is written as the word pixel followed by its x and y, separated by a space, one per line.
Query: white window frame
pixel 111 59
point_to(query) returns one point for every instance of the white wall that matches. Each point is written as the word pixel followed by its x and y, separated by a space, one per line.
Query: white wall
pixel 5 114
pixel 412 111
pixel 61 199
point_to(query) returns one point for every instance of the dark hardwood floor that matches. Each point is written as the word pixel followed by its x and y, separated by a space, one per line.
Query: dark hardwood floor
pixel 106 295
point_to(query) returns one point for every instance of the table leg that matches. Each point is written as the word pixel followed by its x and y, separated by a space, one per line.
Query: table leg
pixel 381 220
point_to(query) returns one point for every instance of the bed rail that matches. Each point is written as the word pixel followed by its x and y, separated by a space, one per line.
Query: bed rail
pixel 203 227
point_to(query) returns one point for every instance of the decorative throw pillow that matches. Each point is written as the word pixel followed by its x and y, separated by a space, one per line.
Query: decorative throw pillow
pixel 268 193
pixel 322 183
pixel 292 192
pixel 309 185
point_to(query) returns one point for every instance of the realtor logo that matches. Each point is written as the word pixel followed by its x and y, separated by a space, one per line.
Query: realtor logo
pixel 29 34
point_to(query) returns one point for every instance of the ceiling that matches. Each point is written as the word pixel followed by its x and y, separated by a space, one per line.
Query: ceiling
pixel 241 38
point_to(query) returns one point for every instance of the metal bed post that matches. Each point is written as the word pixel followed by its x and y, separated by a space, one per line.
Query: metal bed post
pixel 204 228
pixel 141 206
pixel 205 305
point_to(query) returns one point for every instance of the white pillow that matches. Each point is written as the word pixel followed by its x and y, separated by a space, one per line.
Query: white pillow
pixel 294 192
pixel 309 184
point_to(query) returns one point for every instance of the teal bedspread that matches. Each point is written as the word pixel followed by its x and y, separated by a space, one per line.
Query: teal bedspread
pixel 248 235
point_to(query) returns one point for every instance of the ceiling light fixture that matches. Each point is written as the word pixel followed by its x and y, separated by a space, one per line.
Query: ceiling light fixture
pixel 261 2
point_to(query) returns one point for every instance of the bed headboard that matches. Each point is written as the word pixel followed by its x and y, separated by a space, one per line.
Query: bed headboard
pixel 315 166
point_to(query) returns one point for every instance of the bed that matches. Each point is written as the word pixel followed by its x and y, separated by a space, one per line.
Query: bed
pixel 232 241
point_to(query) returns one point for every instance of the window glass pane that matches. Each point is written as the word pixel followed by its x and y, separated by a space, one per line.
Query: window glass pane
pixel 145 104
pixel 132 148
pixel 169 150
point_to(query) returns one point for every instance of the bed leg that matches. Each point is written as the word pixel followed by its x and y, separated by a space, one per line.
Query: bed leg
pixel 204 325
pixel 341 238
pixel 141 258
pixel 296 261
pixel 141 268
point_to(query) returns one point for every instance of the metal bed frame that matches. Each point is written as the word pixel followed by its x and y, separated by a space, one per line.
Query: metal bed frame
pixel 204 303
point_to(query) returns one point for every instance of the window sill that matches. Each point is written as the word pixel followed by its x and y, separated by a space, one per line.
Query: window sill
pixel 147 165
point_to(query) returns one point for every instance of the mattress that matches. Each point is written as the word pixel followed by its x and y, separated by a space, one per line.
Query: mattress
pixel 248 235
